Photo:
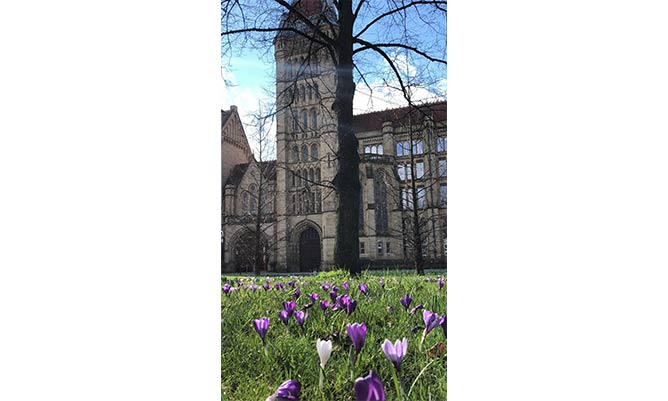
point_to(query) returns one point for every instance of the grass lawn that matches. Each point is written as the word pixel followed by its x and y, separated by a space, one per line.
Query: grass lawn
pixel 248 374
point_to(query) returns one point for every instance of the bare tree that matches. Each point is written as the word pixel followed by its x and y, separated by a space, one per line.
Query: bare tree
pixel 355 36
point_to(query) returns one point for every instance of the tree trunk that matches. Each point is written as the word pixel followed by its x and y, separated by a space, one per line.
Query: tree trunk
pixel 346 182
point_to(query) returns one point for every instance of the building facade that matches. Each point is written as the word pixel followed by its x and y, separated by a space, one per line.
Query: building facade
pixel 288 206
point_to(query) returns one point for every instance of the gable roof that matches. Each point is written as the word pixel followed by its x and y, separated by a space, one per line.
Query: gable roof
pixel 374 121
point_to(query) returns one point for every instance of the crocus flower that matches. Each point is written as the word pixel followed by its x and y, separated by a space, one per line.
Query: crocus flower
pixel 245 287
pixel 364 289
pixel 297 293
pixel 381 282
pixel 226 288
pixel 288 391
pixel 290 306
pixel 332 295
pixel 261 326
pixel 325 287
pixel 283 315
pixel 395 353
pixel 324 305
pixel 444 325
pixel 278 286
pixel 440 285
pixel 300 317
pixel 266 286
pixel 313 296
pixel 254 287
pixel 417 308
pixel 406 301
pixel 357 334
pixel 324 351
pixel 291 283
pixel 345 285
pixel 350 307
pixel 431 321
pixel 369 388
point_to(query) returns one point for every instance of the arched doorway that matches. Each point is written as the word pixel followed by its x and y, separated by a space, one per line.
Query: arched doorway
pixel 309 250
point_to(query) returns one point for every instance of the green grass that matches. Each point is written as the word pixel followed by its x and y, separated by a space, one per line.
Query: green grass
pixel 248 375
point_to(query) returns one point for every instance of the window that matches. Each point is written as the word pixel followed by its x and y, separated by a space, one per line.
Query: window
pixel 406 198
pixel 317 92
pixel 244 207
pixel 374 149
pixel 314 152
pixel 305 119
pixel 310 92
pixel 401 170
pixel 295 121
pixel 295 154
pixel 317 175
pixel 380 149
pixel 443 195
pixel 419 170
pixel 311 175
pixel 380 198
pixel 362 250
pixel 293 179
pixel 442 168
pixel 402 148
pixel 294 203
pixel 379 247
pixel 253 199
pixel 314 119
pixel 387 247
pixel 421 199
pixel 417 147
pixel 367 149
pixel 442 144
pixel 304 153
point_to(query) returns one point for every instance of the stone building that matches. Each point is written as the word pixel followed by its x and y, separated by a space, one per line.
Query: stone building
pixel 297 217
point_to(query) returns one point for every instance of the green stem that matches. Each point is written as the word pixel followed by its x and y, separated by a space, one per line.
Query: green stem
pixel 397 385
pixel 418 376
pixel 322 379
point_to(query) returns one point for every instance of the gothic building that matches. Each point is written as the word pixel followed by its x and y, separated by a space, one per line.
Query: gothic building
pixel 288 206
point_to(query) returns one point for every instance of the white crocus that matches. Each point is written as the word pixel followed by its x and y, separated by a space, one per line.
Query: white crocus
pixel 324 351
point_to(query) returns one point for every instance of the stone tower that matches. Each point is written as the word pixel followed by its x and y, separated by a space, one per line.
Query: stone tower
pixel 306 141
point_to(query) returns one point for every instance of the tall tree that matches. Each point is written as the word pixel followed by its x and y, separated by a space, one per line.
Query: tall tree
pixel 356 36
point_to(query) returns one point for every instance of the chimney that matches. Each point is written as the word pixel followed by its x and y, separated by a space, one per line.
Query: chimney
pixel 233 108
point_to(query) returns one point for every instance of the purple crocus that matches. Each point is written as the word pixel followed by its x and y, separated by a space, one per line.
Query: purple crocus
pixel 415 309
pixel 345 285
pixel 363 288
pixel 245 287
pixel 444 325
pixel 254 287
pixel 406 301
pixel 261 326
pixel 288 391
pixel 291 283
pixel 350 307
pixel 332 295
pixel 395 353
pixel 357 334
pixel 297 293
pixel 431 321
pixel 266 286
pixel 289 307
pixel 283 315
pixel 324 305
pixel 325 287
pixel 300 317
pixel 226 288
pixel 313 296
pixel 369 388
pixel 440 285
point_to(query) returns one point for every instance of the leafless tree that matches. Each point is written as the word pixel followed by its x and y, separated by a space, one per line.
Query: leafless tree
pixel 355 36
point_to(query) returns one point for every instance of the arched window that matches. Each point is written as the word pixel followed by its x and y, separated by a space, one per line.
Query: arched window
pixel 380 149
pixel 317 92
pixel 314 119
pixel 292 179
pixel 374 149
pixel 295 154
pixel 380 197
pixel 305 119
pixel 311 175
pixel 314 152
pixel 244 205
pixel 317 175
pixel 367 149
pixel 253 198
pixel 295 121
pixel 302 92
pixel 299 178
pixel 305 175
pixel 304 153
pixel 310 92
pixel 296 94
